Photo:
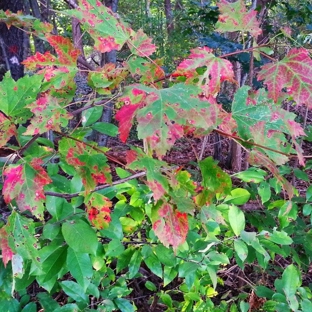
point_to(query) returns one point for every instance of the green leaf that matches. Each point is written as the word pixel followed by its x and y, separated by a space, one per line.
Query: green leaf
pixel 74 291
pixel 152 262
pixel 265 292
pixel 277 237
pixel 241 249
pixel 16 95
pixel 290 281
pixel 264 191
pixel 306 305
pixel 150 286
pixel 21 237
pixel 124 259
pixel 114 248
pixel 91 115
pixel 30 307
pixel 236 220
pixel 252 174
pixel 166 299
pixel 80 267
pixel 80 236
pixel 124 305
pixel 47 303
pixel 244 306
pixel 134 264
pixel 105 128
pixel 53 259
pixel 214 179
pixel 239 196
pixel 301 175
pixel 309 193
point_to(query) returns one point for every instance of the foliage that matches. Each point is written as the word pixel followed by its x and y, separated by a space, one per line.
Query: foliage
pixel 78 229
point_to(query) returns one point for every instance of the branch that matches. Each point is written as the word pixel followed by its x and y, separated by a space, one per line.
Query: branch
pixel 72 4
pixel 100 187
pixel 255 144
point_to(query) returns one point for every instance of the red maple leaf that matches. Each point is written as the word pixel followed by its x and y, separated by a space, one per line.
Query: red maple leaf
pixel 172 227
pixel 98 209
pixel 216 70
pixel 7 253
pixel 7 129
pixel 235 17
pixel 141 45
pixel 292 75
pixel 25 183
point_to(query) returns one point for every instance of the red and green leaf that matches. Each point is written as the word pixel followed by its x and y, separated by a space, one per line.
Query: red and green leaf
pixel 98 210
pixel 49 115
pixel 21 238
pixel 16 95
pixel 108 31
pixel 156 180
pixel 107 78
pixel 90 164
pixel 214 70
pixel 148 72
pixel 291 76
pixel 7 129
pixel 140 44
pixel 25 183
pixel 6 251
pixel 165 113
pixel 235 17
pixel 214 181
pixel 172 226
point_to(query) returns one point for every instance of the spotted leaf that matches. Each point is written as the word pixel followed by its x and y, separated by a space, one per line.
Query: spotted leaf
pixel 25 183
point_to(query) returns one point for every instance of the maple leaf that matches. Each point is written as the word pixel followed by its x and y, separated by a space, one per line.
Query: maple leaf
pixel 98 209
pixel 109 33
pixel 182 186
pixel 67 55
pixel 22 238
pixel 17 94
pixel 214 181
pixel 261 121
pixel 150 72
pixel 257 158
pixel 7 129
pixel 214 71
pixel 141 45
pixel 7 252
pixel 292 74
pixel 25 183
pixel 165 112
pixel 107 78
pixel 157 182
pixel 235 17
pixel 90 164
pixel 271 139
pixel 49 115
pixel 172 227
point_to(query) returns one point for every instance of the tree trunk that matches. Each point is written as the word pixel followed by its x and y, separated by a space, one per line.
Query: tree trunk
pixel 169 16
pixel 39 47
pixel 109 57
pixel 12 41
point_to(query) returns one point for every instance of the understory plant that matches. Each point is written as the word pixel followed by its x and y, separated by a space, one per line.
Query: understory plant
pixel 83 229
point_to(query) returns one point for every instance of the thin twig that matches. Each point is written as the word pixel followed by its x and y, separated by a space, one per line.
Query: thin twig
pixel 100 187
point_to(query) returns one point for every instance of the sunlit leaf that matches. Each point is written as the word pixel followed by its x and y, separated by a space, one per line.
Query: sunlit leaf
pixel 172 226
pixel 291 76
pixel 236 17
pixel 25 183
